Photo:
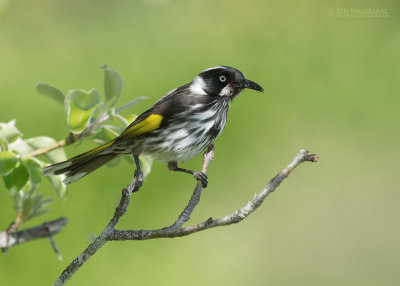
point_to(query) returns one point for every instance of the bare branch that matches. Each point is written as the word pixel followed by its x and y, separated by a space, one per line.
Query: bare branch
pixel 99 241
pixel 234 217
pixel 195 199
pixel 45 230
pixel 176 229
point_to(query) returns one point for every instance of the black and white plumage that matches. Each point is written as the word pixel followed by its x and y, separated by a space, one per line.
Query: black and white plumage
pixel 175 129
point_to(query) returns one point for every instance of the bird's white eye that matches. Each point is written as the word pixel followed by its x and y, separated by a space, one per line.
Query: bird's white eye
pixel 222 78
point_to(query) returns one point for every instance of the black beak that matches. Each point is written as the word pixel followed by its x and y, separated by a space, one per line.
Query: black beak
pixel 251 84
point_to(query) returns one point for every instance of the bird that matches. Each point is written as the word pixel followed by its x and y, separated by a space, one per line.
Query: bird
pixel 179 126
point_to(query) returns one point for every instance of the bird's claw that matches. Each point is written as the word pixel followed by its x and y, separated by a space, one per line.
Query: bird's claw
pixel 202 177
pixel 139 178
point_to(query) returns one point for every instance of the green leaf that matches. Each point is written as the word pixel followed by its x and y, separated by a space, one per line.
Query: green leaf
pixel 30 188
pixel 58 185
pixel 39 203
pixel 34 169
pixel 113 85
pixel 109 132
pixel 84 100
pixel 9 131
pixel 32 205
pixel 3 144
pixel 40 212
pixel 8 161
pixel 21 146
pixel 80 107
pixel 130 118
pixel 17 178
pixel 77 118
pixel 57 155
pixel 118 119
pixel 50 91
pixel 18 197
pixel 27 207
pixel 131 103
pixel 106 133
pixel 40 142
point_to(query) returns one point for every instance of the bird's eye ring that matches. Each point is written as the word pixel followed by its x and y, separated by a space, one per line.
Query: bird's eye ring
pixel 222 78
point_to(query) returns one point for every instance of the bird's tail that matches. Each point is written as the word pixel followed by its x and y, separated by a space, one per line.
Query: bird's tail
pixel 83 164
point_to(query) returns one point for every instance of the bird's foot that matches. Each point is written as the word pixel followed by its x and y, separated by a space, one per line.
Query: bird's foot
pixel 202 177
pixel 139 178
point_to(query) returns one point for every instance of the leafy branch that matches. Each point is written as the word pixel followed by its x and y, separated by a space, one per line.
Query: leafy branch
pixel 176 229
pixel 22 160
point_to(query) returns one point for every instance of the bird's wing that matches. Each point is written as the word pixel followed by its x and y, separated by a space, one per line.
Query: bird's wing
pixel 159 115
pixel 142 126
pixel 147 121
pixel 154 118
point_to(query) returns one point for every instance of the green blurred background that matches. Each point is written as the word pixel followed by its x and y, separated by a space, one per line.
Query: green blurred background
pixel 331 86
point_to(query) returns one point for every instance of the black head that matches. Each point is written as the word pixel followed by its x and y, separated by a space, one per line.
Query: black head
pixel 222 81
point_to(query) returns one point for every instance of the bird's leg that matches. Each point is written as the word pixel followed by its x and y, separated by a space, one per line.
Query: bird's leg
pixel 138 172
pixel 199 176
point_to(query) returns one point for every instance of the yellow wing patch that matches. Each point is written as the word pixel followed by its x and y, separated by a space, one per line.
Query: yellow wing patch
pixel 149 124
pixel 102 147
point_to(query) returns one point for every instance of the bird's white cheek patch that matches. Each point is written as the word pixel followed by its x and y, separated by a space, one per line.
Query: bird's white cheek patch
pixel 198 86
pixel 226 91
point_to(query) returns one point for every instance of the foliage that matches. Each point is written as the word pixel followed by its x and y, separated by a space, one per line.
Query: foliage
pixel 88 118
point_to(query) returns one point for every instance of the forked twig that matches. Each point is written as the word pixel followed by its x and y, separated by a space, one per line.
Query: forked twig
pixel 176 229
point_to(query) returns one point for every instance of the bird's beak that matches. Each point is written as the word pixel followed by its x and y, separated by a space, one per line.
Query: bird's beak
pixel 250 84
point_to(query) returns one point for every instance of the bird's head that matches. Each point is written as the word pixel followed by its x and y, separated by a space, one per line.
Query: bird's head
pixel 222 81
